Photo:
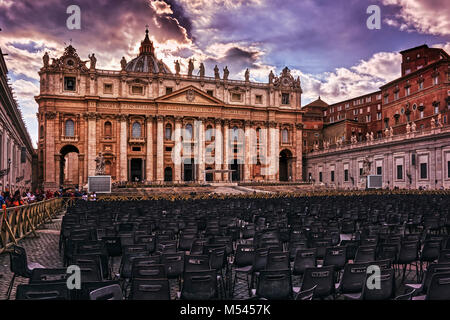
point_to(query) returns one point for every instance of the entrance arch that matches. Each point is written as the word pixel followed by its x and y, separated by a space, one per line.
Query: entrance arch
pixel 285 172
pixel 69 174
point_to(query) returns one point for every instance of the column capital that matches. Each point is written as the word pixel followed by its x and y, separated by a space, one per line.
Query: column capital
pixel 218 121
pixel 248 123
pixel 202 119
pixel 272 124
pixel 50 115
pixel 178 119
pixel 226 122
pixel 160 118
pixel 149 118
pixel 299 126
pixel 122 117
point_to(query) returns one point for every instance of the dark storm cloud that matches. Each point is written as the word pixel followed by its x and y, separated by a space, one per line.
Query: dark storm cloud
pixel 236 59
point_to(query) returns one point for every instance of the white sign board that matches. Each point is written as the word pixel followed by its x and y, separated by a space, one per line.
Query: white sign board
pixel 374 182
pixel 99 184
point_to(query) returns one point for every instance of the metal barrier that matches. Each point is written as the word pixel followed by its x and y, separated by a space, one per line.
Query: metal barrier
pixel 19 222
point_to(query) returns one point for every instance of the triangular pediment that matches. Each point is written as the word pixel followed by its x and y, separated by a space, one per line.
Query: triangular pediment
pixel 189 95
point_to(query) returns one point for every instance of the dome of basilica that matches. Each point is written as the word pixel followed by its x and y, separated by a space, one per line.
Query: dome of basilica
pixel 146 61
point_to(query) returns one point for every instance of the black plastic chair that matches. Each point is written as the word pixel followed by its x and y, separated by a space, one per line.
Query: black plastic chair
pixel 44 275
pixel 196 263
pixel 386 290
pixel 323 278
pixel 199 285
pixel 335 256
pixel 304 259
pixel 155 271
pixel 365 254
pixel 243 263
pixel 149 289
pixel 278 261
pixel 111 292
pixel 19 266
pixel 305 295
pixel 439 288
pixel 274 285
pixel 353 278
pixel 43 291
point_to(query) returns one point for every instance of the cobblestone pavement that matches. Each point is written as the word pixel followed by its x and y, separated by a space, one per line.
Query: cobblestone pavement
pixel 44 250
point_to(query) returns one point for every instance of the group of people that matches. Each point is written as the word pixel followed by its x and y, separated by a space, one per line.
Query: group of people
pixel 15 199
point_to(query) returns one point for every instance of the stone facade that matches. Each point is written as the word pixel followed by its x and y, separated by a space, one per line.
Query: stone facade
pixel 140 117
pixel 16 149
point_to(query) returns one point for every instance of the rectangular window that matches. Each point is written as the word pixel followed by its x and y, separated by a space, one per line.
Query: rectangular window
pixel 235 97
pixel 396 95
pixel 435 80
pixel 368 118
pixel 436 109
pixel 210 92
pixel 108 88
pixel 285 98
pixel 379 97
pixel 421 114
pixel 386 99
pixel 136 149
pixel 320 176
pixel 347 105
pixel 407 91
pixel 423 171
pixel 69 83
pixel 369 99
pixel 346 175
pixel 137 90
pixel 258 99
pixel 332 176
pixel 399 172
pixel 168 90
pixel 420 85
pixel 379 171
pixel 378 115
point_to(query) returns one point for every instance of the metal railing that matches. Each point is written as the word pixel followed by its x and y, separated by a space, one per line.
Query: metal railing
pixel 18 222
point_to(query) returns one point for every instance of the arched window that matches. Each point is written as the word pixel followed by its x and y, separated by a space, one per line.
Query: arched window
pixel 108 129
pixel 285 136
pixel 136 130
pixel 70 128
pixel 209 131
pixel 41 132
pixel 168 133
pixel 188 133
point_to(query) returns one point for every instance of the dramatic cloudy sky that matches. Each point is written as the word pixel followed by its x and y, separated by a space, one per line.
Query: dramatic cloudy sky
pixel 325 42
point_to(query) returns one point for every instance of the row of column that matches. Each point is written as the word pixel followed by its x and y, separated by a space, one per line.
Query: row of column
pixel 221 157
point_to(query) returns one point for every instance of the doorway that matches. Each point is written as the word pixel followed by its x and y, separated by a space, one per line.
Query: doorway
pixel 136 170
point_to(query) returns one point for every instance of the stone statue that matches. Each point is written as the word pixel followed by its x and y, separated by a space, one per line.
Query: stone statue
pixel 93 61
pixel 366 166
pixel 216 72
pixel 247 75
pixel 160 66
pixel 433 123
pixel 100 165
pixel 408 128
pixel 46 58
pixel 202 70
pixel 271 76
pixel 413 127
pixel 123 63
pixel 225 73
pixel 371 136
pixel 190 67
pixel 386 132
pixel 439 121
pixel 391 131
pixel 367 136
pixel 297 82
pixel 177 67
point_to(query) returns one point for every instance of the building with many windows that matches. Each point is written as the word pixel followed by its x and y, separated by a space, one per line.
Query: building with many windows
pixel 154 125
pixel 402 131
pixel 16 149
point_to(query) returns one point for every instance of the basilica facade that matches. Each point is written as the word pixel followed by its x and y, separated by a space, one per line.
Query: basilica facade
pixel 153 125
